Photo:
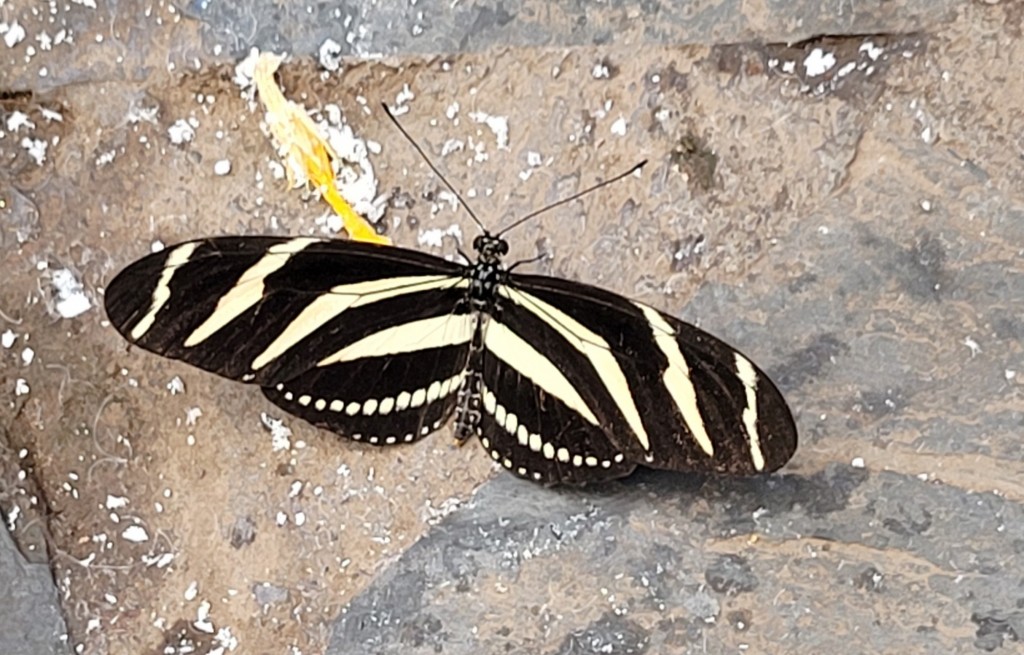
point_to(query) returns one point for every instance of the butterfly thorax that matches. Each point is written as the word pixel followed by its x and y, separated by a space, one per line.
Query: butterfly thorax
pixel 487 272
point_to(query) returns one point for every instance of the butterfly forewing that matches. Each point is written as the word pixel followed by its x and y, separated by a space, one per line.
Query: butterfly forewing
pixel 364 340
pixel 667 394
pixel 752 427
pixel 233 305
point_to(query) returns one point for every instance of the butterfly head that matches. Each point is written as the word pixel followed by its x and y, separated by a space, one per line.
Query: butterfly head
pixel 490 248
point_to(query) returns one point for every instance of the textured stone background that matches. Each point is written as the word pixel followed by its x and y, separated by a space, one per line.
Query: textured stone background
pixel 834 187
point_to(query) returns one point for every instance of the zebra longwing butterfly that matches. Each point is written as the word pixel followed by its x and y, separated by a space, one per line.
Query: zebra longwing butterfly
pixel 562 382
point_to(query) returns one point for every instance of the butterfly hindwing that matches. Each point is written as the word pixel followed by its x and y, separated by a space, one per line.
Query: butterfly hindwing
pixel 379 400
pixel 533 433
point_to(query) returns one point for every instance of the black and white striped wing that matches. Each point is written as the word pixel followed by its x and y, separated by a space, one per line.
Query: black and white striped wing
pixel 532 421
pixel 661 392
pixel 360 339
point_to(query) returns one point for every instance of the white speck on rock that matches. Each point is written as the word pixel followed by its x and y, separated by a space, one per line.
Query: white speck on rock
pixel 51 116
pixel 497 124
pixel 329 223
pixel 871 50
pixel 176 386
pixel 71 298
pixel 280 434
pixel 245 70
pixel 222 167
pixel 18 120
pixel 140 114
pixel 135 534
pixel 228 641
pixel 434 237
pixel 116 502
pixel 452 145
pixel 12 518
pixel 36 149
pixel 7 339
pixel 192 591
pixel 818 62
pixel 192 414
pixel 159 561
pixel 619 127
pixel 14 34
pixel 106 157
pixel 433 515
pixel 330 55
pixel 445 197
pixel 21 387
pixel 405 95
pixel 181 132
pixel 202 622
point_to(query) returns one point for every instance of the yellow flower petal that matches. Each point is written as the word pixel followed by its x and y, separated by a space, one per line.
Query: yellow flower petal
pixel 304 150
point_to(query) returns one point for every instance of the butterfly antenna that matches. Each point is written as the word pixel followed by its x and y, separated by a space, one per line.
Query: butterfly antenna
pixel 408 137
pixel 574 196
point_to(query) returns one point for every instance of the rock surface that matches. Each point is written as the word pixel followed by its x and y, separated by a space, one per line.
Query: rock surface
pixel 833 187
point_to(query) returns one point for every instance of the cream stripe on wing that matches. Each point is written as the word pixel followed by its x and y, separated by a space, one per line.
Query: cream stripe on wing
pixel 248 290
pixel 747 374
pixel 331 304
pixel 594 348
pixel 510 348
pixel 677 378
pixel 162 292
pixel 434 332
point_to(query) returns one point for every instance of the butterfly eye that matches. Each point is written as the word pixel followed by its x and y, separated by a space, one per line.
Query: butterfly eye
pixel 503 247
pixel 478 242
